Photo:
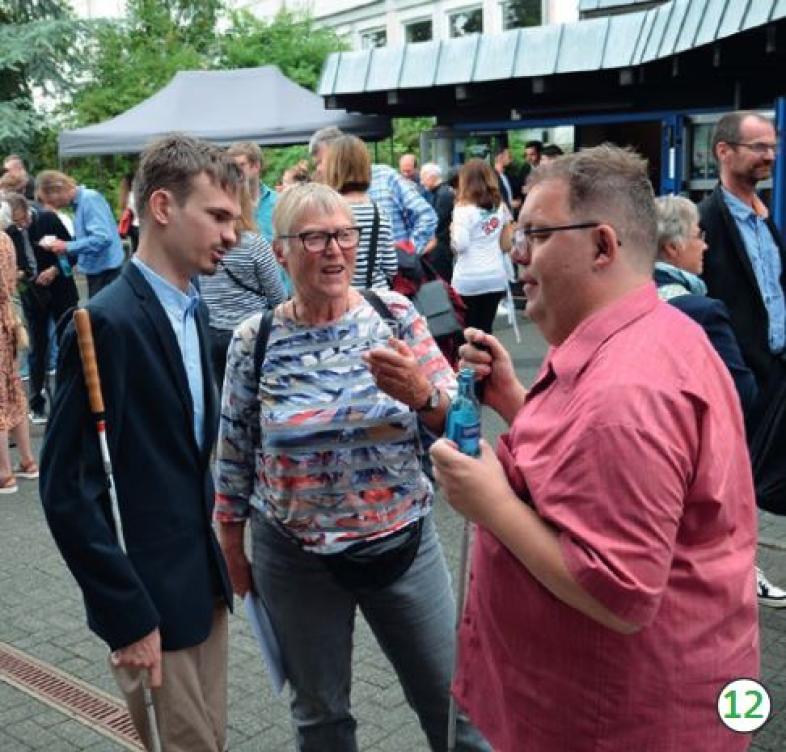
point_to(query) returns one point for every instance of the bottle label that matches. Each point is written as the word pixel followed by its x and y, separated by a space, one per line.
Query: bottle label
pixel 467 437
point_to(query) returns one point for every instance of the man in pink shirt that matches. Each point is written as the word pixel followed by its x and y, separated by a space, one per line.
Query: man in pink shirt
pixel 612 593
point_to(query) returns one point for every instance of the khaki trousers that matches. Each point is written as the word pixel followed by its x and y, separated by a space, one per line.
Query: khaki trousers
pixel 191 704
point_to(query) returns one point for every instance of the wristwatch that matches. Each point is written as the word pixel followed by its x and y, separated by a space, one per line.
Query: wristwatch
pixel 432 401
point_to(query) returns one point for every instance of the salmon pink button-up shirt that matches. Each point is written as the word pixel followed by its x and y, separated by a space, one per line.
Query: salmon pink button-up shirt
pixel 631 445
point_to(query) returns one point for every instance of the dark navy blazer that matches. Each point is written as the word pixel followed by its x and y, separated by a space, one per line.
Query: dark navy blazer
pixel 729 275
pixel 174 572
pixel 713 317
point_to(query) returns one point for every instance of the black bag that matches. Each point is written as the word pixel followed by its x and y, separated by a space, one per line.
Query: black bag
pixel 366 567
pixel 434 304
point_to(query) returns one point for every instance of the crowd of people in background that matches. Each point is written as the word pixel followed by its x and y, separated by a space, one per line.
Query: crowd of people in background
pixel 247 308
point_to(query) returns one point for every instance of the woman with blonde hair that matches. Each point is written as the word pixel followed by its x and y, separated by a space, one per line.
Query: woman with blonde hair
pixel 318 452
pixel 347 169
pixel 13 404
pixel 246 282
pixel 480 232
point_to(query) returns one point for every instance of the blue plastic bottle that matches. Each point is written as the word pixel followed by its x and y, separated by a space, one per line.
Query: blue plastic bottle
pixel 463 422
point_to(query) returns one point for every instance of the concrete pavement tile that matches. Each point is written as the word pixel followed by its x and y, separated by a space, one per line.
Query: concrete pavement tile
pixel 83 737
pixel 12 744
pixel 32 734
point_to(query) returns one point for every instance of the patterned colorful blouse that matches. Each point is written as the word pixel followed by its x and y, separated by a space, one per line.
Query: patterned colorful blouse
pixel 316 446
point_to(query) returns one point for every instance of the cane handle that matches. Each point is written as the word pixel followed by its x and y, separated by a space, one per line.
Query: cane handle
pixel 87 351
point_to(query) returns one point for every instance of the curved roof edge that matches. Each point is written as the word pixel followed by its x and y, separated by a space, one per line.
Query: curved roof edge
pixel 602 43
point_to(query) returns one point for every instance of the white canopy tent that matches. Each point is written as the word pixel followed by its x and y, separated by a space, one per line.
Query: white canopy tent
pixel 247 104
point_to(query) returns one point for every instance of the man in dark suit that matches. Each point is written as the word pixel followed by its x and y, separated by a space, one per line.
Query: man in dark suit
pixel 162 607
pixel 442 197
pixel 746 259
pixel 47 291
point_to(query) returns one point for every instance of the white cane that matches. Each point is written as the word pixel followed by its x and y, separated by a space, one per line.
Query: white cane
pixel 87 352
pixel 462 594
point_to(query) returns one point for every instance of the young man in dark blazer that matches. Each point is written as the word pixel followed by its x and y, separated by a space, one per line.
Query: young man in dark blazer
pixel 162 607
pixel 746 259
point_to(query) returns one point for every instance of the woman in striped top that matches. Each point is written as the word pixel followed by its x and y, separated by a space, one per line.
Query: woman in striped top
pixel 318 449
pixel 347 169
pixel 246 282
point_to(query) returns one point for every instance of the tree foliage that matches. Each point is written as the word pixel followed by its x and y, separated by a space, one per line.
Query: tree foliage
pixel 38 54
pixel 132 58
pixel 291 41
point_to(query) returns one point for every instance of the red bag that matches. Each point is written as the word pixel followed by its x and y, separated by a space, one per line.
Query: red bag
pixel 126 220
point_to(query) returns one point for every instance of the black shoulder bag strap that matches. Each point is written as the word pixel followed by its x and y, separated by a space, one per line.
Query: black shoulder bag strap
pixel 378 305
pixel 260 345
pixel 242 284
pixel 372 247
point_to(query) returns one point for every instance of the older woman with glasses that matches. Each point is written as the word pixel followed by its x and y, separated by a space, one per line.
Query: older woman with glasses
pixel 681 249
pixel 318 448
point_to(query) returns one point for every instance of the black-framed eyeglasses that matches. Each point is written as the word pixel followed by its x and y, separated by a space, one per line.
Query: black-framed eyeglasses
pixel 525 236
pixel 757 147
pixel 317 241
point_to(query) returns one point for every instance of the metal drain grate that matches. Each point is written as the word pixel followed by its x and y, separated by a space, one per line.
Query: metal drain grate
pixel 77 699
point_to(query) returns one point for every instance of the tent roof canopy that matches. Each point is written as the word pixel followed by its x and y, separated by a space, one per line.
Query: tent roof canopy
pixel 247 104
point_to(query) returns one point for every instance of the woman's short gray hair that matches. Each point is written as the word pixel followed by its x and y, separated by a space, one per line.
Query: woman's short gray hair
pixel 308 198
pixel 676 215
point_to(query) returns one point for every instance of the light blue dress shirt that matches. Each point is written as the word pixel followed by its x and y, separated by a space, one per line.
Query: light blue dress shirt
pixel 96 243
pixel 766 262
pixel 180 309
pixel 264 213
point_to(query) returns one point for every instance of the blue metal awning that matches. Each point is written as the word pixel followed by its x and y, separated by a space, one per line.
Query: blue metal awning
pixel 595 44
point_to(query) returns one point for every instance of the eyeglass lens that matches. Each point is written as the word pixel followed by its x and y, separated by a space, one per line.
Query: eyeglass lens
pixel 318 241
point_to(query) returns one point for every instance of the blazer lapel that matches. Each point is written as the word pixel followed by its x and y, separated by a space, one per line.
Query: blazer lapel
pixel 166 338
pixel 208 381
pixel 739 246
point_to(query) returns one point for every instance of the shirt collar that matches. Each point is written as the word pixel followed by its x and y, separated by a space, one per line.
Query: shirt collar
pixel 172 298
pixel 742 211
pixel 568 360
pixel 78 196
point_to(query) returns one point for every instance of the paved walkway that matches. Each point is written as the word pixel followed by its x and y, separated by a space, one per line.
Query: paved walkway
pixel 41 613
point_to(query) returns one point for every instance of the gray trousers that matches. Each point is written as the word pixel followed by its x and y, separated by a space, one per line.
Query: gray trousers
pixel 413 620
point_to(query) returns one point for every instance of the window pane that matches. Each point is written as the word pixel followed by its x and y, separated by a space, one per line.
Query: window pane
pixel 419 31
pixel 373 38
pixel 466 22
pixel 518 13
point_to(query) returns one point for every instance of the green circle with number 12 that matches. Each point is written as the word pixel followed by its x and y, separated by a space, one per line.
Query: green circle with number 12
pixel 744 705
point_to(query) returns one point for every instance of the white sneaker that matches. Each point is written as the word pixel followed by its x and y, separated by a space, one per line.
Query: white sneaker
pixel 37 418
pixel 502 308
pixel 769 594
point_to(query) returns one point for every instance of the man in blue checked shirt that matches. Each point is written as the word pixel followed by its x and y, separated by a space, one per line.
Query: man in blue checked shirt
pixel 96 244
pixel 411 216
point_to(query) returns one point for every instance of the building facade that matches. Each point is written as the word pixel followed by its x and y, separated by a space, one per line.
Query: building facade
pixel 381 23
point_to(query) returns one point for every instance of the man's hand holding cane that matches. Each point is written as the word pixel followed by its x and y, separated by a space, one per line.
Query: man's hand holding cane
pixel 143 654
